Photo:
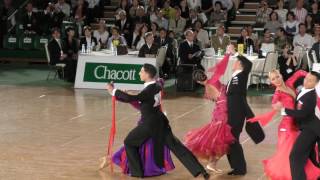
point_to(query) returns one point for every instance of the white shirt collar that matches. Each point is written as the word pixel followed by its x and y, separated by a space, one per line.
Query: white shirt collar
pixel 236 73
pixel 303 92
pixel 190 43
pixel 149 83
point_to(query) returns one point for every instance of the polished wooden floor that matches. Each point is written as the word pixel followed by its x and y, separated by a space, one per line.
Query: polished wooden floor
pixel 60 133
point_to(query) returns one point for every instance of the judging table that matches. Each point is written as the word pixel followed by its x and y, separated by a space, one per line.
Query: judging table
pixel 96 69
pixel 209 62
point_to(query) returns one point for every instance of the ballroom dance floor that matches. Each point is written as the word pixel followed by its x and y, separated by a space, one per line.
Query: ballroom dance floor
pixel 60 133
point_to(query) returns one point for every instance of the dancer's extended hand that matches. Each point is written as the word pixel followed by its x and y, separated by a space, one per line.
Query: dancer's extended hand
pixel 277 106
pixel 230 49
pixel 110 87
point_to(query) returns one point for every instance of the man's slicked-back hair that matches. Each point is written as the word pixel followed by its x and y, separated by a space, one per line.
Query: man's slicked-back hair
pixel 315 74
pixel 150 69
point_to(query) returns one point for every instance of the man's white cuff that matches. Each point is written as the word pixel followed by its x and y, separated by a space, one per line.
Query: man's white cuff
pixel 283 112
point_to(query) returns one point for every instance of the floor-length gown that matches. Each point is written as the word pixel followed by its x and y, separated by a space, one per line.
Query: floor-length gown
pixel 146 153
pixel 277 167
pixel 213 139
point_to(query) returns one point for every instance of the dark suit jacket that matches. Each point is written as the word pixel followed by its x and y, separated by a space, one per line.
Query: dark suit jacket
pixel 238 107
pixel 128 27
pixel 167 42
pixel 153 119
pixel 54 51
pixel 185 50
pixel 70 48
pixel 248 42
pixel 145 50
pixel 316 48
pixel 304 113
pixel 84 41
pixel 30 23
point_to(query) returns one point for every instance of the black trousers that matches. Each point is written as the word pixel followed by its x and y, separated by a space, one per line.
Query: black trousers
pixel 140 134
pixel 301 152
pixel 235 156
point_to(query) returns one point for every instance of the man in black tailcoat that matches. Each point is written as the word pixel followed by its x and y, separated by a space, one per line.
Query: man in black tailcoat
pixel 309 124
pixel 155 126
pixel 238 112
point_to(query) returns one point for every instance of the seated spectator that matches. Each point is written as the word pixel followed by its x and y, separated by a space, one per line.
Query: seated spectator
pixel 143 31
pixel 245 40
pixel 303 39
pixel 226 4
pixel 88 40
pixel 316 34
pixel 187 50
pixel 101 34
pixel 133 9
pixel 218 15
pixel 273 23
pixel 287 62
pixel 203 35
pixel 152 7
pixel 116 36
pixel 281 40
pixel 253 36
pixel 206 7
pixel 124 5
pixel 192 19
pixel 316 49
pixel 30 20
pixel 162 21
pixel 300 12
pixel 309 24
pixel 172 35
pixel 263 13
pixel 52 18
pixel 168 11
pixel 194 4
pixel 184 9
pixel 141 17
pixel 291 25
pixel 62 6
pixel 70 48
pixel 282 13
pixel 134 37
pixel 154 15
pixel 55 48
pixel 93 10
pixel 178 24
pixel 165 40
pixel 196 41
pixel 154 29
pixel 315 12
pixel 267 44
pixel 124 24
pixel 80 12
pixel 149 49
pixel 220 39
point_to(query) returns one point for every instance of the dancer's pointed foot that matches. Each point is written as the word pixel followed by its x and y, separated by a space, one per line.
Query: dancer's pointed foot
pixel 105 162
pixel 214 169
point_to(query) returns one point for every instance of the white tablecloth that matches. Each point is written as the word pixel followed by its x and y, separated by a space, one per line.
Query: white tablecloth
pixel 209 62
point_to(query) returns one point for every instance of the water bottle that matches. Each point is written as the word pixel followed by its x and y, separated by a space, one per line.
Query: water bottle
pixel 112 49
pixel 251 51
pixel 115 51
pixel 219 52
pixel 83 49
pixel 88 48
pixel 248 51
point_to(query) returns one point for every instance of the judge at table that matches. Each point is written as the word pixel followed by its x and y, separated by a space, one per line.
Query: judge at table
pixel 149 49
pixel 187 50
